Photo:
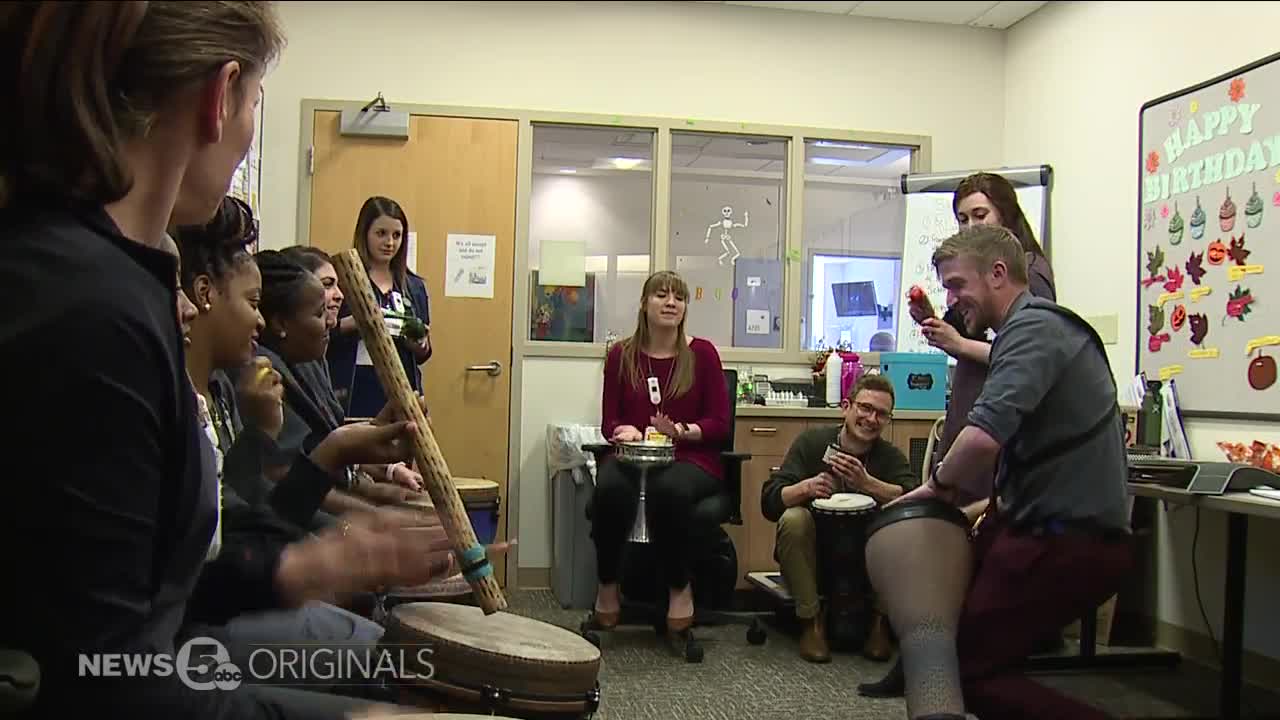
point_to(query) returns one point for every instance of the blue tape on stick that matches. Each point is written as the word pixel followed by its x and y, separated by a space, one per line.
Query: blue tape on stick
pixel 475 565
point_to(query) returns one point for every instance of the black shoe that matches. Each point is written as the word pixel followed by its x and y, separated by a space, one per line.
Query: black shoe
pixel 890 686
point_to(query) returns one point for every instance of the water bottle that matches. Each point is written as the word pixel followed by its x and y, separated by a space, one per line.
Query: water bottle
pixel 832 369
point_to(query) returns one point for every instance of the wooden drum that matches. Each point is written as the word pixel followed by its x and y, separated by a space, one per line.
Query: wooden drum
pixel 841 522
pixel 501 664
pixel 480 497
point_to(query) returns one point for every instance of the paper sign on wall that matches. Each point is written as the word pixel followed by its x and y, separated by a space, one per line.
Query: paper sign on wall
pixel 757 322
pixel 469 266
pixel 753 281
pixel 563 262
pixel 411 254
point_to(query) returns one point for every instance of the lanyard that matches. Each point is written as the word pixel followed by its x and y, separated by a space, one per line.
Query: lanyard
pixel 656 390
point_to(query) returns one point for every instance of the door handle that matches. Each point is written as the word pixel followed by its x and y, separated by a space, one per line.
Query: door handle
pixel 493 368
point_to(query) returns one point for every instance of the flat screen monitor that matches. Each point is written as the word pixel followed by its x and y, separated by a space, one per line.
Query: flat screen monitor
pixel 855 299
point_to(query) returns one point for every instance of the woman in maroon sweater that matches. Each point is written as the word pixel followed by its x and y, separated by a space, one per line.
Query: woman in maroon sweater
pixel 693 410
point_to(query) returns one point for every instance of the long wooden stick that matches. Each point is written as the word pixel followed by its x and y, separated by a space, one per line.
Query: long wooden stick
pixel 435 471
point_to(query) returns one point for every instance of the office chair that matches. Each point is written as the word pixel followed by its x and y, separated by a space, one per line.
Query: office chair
pixel 715 569
pixel 19 681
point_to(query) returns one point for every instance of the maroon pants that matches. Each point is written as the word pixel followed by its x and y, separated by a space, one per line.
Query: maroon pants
pixel 1024 587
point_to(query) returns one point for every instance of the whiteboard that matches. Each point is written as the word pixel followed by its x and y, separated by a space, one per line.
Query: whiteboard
pixel 929 221
pixel 1208 228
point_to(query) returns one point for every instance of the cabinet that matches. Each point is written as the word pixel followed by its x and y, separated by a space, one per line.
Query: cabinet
pixel 767 437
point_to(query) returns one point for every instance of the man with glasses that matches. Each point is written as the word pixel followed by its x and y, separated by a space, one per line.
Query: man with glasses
pixel 860 461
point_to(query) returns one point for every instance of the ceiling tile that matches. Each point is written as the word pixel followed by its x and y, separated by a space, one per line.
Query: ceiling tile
pixel 954 13
pixel 838 8
pixel 1005 14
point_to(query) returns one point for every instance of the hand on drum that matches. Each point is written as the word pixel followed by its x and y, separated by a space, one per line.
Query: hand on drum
pixel 385 548
pixel 926 491
pixel 665 425
pixel 406 477
pixel 626 433
pixel 387 493
pixel 821 485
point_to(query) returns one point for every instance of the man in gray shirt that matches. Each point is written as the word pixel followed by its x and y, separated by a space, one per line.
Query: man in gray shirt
pixel 1054 543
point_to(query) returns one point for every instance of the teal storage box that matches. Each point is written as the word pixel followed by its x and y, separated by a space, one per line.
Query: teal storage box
pixel 919 379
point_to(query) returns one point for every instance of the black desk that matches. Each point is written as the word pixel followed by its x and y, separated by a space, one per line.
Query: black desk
pixel 1238 507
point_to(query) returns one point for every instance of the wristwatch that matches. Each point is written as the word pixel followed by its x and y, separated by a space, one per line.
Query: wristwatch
pixel 933 476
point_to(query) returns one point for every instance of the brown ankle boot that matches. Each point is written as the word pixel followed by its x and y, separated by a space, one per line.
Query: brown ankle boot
pixel 813 639
pixel 878 646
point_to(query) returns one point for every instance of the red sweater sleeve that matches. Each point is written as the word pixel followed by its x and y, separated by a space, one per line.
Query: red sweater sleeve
pixel 713 417
pixel 611 398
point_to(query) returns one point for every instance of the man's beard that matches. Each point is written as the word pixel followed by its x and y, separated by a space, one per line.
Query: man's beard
pixel 956 320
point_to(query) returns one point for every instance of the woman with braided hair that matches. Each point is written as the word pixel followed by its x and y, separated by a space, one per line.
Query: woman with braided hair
pixel 294 306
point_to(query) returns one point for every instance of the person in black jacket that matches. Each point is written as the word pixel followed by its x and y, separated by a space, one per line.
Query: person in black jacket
pixel 295 307
pixel 124 118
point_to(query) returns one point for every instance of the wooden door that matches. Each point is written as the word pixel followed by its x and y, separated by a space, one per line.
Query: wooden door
pixel 452 176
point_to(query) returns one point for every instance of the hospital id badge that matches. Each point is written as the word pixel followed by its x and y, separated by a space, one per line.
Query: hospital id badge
pixel 655 392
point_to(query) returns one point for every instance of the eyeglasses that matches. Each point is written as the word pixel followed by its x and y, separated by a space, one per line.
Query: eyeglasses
pixel 873 411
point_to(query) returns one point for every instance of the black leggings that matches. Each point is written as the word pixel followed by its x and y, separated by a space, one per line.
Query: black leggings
pixel 671 493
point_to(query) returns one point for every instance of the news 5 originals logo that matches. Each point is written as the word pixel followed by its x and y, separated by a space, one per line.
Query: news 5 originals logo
pixel 201 664
pixel 205 664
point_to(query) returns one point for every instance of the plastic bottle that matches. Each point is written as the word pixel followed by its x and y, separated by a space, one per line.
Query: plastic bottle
pixel 832 369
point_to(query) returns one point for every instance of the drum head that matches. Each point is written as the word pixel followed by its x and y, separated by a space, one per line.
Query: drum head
pixel 444 590
pixel 500 634
pixel 930 508
pixel 845 502
pixel 476 489
pixel 523 656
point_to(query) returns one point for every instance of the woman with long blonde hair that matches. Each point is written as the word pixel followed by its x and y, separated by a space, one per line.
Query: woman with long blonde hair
pixel 659 381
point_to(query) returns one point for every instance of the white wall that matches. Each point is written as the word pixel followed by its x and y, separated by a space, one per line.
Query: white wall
pixel 1076 75
pixel 684 60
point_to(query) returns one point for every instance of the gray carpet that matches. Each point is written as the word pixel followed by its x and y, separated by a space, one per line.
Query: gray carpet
pixel 641 680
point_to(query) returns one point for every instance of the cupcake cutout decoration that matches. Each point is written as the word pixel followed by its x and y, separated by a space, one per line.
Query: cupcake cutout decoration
pixel 1253 209
pixel 1175 227
pixel 1227 215
pixel 1197 221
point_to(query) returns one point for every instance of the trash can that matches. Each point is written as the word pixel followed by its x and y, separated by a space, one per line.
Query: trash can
pixel 572 473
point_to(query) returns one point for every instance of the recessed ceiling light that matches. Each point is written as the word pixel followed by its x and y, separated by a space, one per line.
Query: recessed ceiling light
pixel 844 145
pixel 568 171
pixel 626 163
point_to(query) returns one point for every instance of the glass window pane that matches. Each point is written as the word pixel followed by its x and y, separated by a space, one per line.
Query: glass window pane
pixel 728 229
pixel 590 230
pixel 852 244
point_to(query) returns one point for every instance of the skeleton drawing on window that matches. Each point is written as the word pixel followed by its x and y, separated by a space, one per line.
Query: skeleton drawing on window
pixel 725 224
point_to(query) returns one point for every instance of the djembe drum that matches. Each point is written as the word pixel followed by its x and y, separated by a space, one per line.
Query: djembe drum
pixel 920 563
pixel 480 498
pixel 841 523
pixel 644 456
pixel 501 664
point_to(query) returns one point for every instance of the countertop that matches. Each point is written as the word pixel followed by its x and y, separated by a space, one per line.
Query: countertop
pixel 821 413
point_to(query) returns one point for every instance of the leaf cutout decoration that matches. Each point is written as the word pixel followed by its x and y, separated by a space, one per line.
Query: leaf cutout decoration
pixel 1195 267
pixel 1155 316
